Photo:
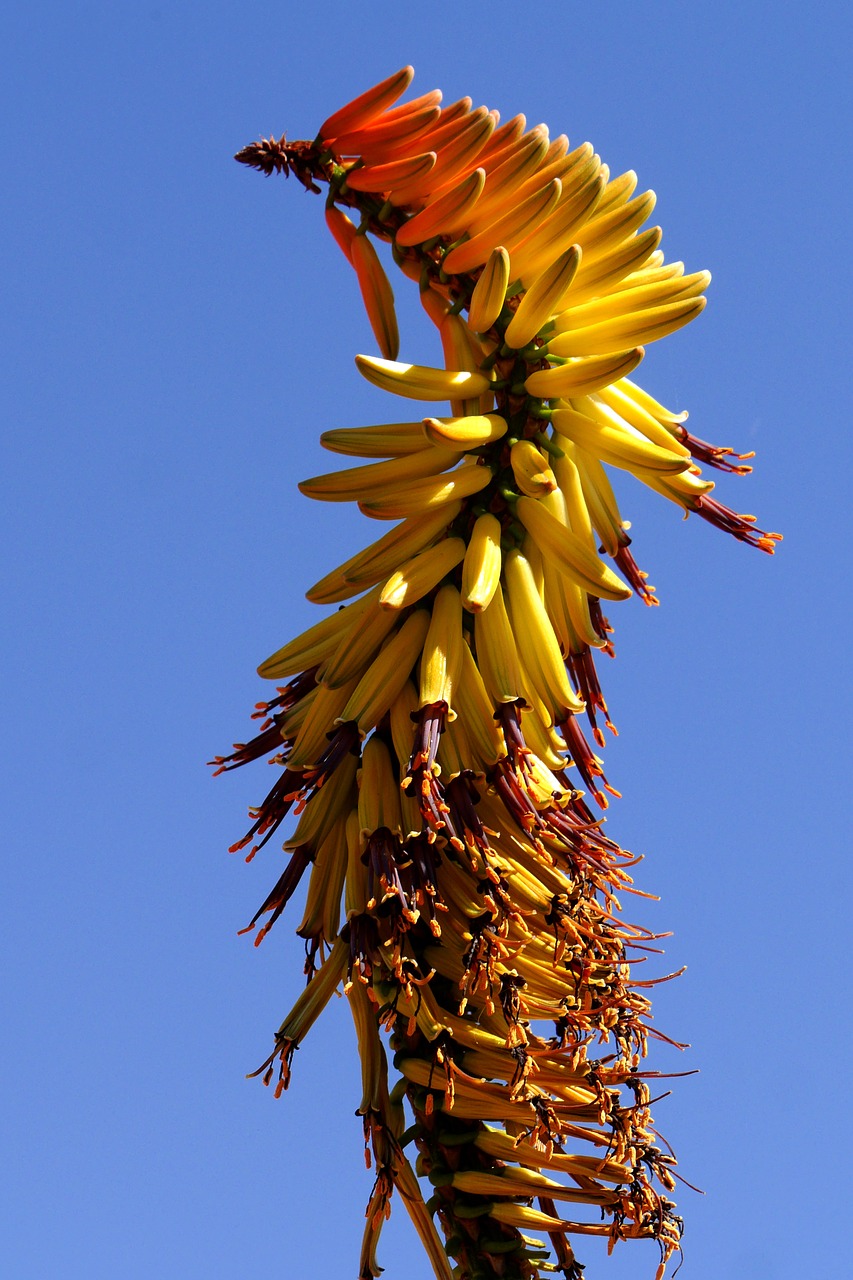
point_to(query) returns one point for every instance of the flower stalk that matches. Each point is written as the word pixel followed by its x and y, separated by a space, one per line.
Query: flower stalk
pixel 431 739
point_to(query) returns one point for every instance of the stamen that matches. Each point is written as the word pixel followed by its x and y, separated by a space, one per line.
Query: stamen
pixel 277 899
pixel 269 739
pixel 635 575
pixel 587 765
pixel 739 526
pixel 272 811
pixel 714 455
pixel 581 667
pixel 343 741
pixel 601 624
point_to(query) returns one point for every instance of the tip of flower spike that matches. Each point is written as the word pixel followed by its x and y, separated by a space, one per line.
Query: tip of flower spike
pixel 268 156
pixel 276 155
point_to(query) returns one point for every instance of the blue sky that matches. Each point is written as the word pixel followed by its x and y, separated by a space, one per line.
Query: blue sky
pixel 177 333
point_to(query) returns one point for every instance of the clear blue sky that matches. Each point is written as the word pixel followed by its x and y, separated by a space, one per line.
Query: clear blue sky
pixel 177 332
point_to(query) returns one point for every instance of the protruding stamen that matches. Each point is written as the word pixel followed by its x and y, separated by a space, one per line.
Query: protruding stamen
pixel 278 898
pixel 739 526
pixel 714 455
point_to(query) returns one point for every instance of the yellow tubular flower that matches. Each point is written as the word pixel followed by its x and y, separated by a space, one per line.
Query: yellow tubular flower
pixel 542 300
pixel 635 297
pixel 620 446
pixel 305 1012
pixel 497 652
pixel 538 645
pixel 407 539
pixel 606 230
pixel 313 645
pixel 489 294
pixel 401 714
pixel 378 790
pixel 612 407
pixel 311 740
pixel 568 552
pixel 582 376
pixel 293 719
pixel 355 894
pixel 431 748
pixel 324 808
pixel 626 331
pixel 454 754
pixel 597 274
pixel 474 706
pixel 333 587
pixel 419 382
pixel 388 440
pixel 572 509
pixel 359 643
pixel 558 232
pixel 420 574
pixel 359 483
pixel 423 495
pixel 442 650
pixel 599 500
pixel 387 674
pixel 531 469
pixel 467 432
pixel 481 568
pixel 619 191
pixel 322 906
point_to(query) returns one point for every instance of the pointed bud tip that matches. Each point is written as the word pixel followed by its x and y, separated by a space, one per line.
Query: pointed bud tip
pixel 268 155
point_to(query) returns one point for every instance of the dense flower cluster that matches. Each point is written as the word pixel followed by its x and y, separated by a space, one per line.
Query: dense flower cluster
pixel 431 732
